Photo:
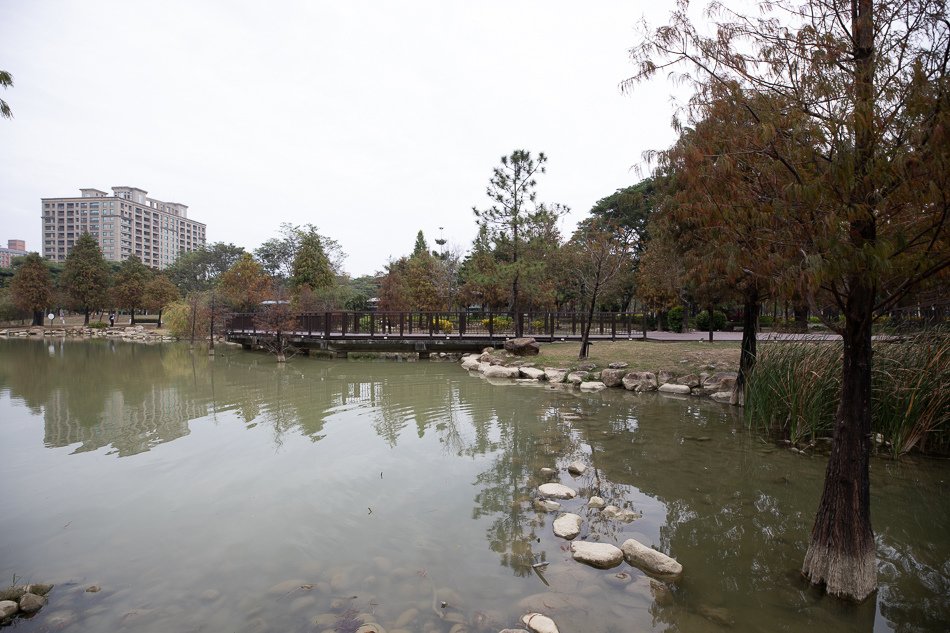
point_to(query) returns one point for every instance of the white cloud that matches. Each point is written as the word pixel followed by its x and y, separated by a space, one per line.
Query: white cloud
pixel 371 120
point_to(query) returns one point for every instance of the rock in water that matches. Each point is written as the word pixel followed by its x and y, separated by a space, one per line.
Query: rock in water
pixel 557 491
pixel 626 516
pixel 600 555
pixel 671 387
pixel 568 526
pixel 8 608
pixel 592 385
pixel 651 561
pixel 30 603
pixel 613 377
pixel 539 623
pixel 577 468
pixel 596 502
pixel 640 381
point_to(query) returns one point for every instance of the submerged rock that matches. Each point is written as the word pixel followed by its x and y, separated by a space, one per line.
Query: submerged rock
pixel 600 555
pixel 546 505
pixel 568 526
pixel 539 623
pixel 613 512
pixel 548 472
pixel 557 491
pixel 651 561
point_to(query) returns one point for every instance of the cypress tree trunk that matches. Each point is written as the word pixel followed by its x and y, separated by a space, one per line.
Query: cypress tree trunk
pixel 748 348
pixel 841 554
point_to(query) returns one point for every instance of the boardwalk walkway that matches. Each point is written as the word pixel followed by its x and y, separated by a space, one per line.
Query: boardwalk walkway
pixel 425 332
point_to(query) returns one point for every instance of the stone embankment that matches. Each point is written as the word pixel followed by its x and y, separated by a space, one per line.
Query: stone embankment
pixel 128 333
pixel 587 377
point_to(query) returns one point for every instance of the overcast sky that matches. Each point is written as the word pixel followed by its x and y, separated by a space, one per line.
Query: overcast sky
pixel 370 120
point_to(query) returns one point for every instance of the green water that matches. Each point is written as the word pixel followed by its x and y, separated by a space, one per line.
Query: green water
pixel 210 495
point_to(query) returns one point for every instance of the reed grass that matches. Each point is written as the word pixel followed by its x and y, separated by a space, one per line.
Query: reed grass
pixel 793 391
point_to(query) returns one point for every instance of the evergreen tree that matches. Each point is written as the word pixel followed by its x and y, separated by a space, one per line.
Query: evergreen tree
pixel 311 266
pixel 514 218
pixel 86 276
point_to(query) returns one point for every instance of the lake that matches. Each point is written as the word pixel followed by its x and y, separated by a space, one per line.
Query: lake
pixel 233 494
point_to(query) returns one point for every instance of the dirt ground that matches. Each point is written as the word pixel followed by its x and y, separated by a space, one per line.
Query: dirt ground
pixel 681 358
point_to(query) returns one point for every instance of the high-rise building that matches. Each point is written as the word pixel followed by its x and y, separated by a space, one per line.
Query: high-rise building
pixel 15 248
pixel 125 223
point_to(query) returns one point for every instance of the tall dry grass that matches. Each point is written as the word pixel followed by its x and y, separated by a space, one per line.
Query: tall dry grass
pixel 794 388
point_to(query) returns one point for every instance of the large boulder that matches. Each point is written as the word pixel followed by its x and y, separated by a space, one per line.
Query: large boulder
pixel 554 375
pixel 568 526
pixel 524 346
pixel 613 377
pixel 655 563
pixel 640 381
pixel 720 381
pixel 600 555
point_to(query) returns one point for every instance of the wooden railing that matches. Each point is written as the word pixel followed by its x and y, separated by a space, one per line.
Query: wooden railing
pixel 550 326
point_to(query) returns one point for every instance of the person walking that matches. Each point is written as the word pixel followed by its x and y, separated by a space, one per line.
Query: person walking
pixel 112 319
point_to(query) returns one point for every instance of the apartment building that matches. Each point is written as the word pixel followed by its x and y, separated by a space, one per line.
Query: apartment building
pixel 126 222
pixel 15 248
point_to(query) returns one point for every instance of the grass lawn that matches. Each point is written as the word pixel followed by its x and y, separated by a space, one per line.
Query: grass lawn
pixel 681 358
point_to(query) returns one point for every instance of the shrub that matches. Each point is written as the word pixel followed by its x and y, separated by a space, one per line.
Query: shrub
pixel 98 324
pixel 675 319
pixel 719 321
pixel 365 322
pixel 444 325
pixel 500 323
pixel 766 320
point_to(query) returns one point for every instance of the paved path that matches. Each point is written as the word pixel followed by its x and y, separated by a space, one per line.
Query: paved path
pixel 737 336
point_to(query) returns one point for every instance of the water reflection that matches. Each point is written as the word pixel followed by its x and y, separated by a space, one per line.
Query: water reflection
pixel 462 465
